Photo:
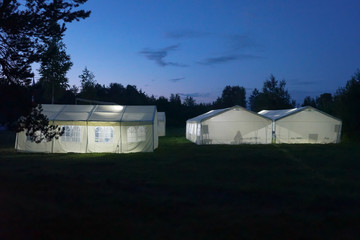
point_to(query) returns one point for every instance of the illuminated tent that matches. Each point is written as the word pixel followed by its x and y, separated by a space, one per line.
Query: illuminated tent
pixel 235 125
pixel 161 124
pixel 97 128
pixel 304 125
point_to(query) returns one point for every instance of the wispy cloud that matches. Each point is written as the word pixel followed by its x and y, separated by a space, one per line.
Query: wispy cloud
pixel 176 79
pixel 228 58
pixel 184 34
pixel 194 95
pixel 158 56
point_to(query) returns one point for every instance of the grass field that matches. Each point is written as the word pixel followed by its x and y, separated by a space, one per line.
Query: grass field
pixel 182 191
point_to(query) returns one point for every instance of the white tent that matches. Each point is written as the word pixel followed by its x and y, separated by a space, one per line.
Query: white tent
pixel 233 125
pixel 161 124
pixel 97 128
pixel 304 125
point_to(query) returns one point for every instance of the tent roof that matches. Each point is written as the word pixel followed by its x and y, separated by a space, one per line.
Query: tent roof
pixel 213 113
pixel 101 113
pixel 278 114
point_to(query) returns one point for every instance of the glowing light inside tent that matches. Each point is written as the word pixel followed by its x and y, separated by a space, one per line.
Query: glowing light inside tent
pixel 118 108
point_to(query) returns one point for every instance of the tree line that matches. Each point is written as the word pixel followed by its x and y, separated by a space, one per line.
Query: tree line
pixel 273 95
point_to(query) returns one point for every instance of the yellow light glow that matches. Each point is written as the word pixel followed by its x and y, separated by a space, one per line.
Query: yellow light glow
pixel 118 108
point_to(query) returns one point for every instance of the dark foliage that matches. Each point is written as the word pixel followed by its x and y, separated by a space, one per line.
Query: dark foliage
pixel 55 63
pixel 24 28
pixel 273 96
pixel 309 101
pixel 15 101
pixel 231 96
pixel 37 126
pixel 347 106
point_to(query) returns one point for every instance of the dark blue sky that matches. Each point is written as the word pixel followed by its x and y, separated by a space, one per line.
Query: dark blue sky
pixel 196 48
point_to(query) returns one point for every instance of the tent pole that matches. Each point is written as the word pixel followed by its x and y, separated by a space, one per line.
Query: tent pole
pixel 52 141
pixel 120 139
pixel 87 137
pixel 17 142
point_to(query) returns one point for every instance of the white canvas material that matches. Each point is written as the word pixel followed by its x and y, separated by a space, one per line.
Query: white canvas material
pixel 97 128
pixel 161 124
pixel 304 125
pixel 235 125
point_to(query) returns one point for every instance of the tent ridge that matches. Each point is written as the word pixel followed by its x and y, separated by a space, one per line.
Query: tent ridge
pixel 91 112
pixel 55 117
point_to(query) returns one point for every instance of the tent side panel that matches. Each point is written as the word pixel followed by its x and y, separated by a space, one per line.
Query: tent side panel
pixel 193 132
pixel 307 126
pixel 237 133
pixel 137 137
pixel 103 138
pixel 237 127
pixel 73 140
pixel 25 145
pixel 161 128
pixel 155 131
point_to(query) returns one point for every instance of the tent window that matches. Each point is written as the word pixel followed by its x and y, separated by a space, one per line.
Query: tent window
pixel 104 134
pixel 71 134
pixel 337 128
pixel 313 137
pixel 136 134
pixel 38 134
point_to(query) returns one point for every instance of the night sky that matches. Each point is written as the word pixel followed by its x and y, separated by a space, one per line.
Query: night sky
pixel 195 48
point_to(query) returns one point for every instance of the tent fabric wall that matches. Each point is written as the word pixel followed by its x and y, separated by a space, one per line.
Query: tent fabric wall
pixel 235 125
pixel 98 128
pixel 161 124
pixel 304 125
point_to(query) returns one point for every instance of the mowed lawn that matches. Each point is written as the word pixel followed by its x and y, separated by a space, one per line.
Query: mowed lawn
pixel 182 191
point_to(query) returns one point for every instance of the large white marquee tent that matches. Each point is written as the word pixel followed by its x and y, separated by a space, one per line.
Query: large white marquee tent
pixel 304 125
pixel 235 125
pixel 97 128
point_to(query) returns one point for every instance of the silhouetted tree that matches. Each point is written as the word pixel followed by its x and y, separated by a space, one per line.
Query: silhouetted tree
pixel 309 101
pixel 234 95
pixel 87 79
pixel 347 106
pixel 231 96
pixel 134 96
pixel 117 93
pixel 189 102
pixel 254 100
pixel 273 96
pixel 74 89
pixel 25 27
pixel 55 63
pixel 14 102
pixel 325 103
pixel 88 83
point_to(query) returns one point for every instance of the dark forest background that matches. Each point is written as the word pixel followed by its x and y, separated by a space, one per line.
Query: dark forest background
pixel 344 104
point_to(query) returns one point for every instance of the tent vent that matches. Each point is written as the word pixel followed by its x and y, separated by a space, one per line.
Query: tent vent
pixel 337 128
pixel 313 137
